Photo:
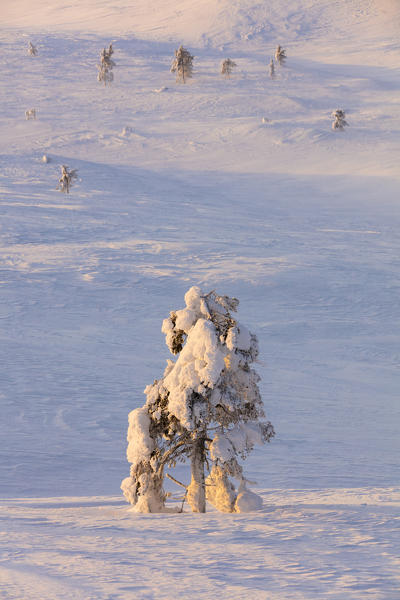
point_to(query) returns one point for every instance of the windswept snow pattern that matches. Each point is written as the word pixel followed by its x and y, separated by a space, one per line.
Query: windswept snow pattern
pixel 318 544
pixel 238 185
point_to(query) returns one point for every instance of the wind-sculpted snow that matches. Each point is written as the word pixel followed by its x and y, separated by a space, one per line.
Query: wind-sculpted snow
pixel 331 543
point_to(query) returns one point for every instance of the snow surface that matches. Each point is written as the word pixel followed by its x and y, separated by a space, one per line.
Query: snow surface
pixel 330 543
pixel 237 185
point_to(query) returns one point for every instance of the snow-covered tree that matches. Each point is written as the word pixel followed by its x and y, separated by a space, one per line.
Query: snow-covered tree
pixel 272 68
pixel 227 67
pixel 182 64
pixel 67 178
pixel 106 65
pixel 32 50
pixel 104 75
pixel 206 407
pixel 339 121
pixel 105 57
pixel 30 114
pixel 110 50
pixel 280 55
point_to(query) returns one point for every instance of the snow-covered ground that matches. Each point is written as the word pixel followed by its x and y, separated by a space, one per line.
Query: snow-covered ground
pixel 238 185
pixel 335 544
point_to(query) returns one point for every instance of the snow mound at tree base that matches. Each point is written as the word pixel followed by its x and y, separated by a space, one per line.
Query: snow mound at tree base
pixel 247 501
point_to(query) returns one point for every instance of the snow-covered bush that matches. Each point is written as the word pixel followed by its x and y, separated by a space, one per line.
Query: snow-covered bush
pixel 272 69
pixel 339 121
pixel 182 64
pixel 280 55
pixel 32 50
pixel 30 114
pixel 106 65
pixel 206 407
pixel 227 67
pixel 126 131
pixel 67 178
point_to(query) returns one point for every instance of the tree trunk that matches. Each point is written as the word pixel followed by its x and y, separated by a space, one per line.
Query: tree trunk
pixel 197 490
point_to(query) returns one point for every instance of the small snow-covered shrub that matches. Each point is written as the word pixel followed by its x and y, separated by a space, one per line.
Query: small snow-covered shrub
pixel 32 50
pixel 126 131
pixel 206 408
pixel 280 55
pixel 182 64
pixel 227 67
pixel 67 178
pixel 272 69
pixel 106 65
pixel 339 121
pixel 30 114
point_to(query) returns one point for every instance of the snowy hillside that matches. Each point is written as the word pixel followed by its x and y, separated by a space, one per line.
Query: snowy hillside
pixel 238 185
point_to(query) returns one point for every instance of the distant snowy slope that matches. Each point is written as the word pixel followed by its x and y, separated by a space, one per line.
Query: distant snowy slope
pixel 210 22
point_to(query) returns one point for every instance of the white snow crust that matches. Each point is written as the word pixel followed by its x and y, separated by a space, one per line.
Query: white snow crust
pixel 238 185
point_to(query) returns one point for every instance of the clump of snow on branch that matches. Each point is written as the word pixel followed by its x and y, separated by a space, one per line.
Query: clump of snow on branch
pixel 220 491
pixel 197 369
pixel 140 444
pixel 206 408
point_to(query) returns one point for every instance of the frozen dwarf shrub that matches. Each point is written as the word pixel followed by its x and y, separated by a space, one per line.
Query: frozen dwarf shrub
pixel 30 114
pixel 67 178
pixel 104 75
pixel 182 64
pixel 106 65
pixel 339 119
pixel 32 50
pixel 206 409
pixel 227 67
pixel 280 55
pixel 272 69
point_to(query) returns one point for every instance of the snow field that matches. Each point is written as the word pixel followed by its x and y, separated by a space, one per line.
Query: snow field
pixel 299 222
pixel 324 544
